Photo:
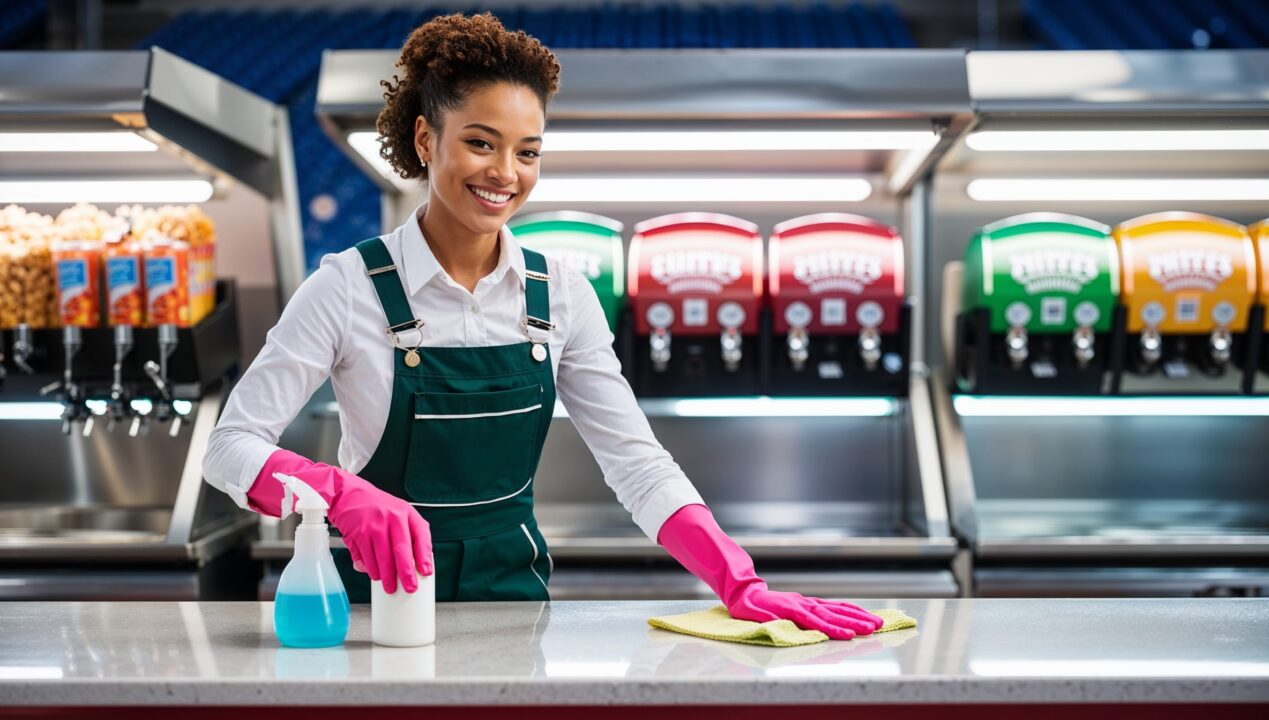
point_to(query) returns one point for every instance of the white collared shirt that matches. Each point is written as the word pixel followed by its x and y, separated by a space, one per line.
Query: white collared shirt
pixel 334 327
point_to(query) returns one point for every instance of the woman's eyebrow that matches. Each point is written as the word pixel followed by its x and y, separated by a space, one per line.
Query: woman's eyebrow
pixel 495 133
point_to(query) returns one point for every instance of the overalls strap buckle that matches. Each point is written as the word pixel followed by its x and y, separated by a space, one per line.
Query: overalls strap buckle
pixel 538 323
pixel 376 271
pixel 406 326
pixel 535 275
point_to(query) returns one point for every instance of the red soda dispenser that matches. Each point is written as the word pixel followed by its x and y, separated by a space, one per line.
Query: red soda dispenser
pixel 696 292
pixel 839 317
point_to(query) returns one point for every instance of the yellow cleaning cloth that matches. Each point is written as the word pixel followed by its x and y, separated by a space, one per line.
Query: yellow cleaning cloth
pixel 716 624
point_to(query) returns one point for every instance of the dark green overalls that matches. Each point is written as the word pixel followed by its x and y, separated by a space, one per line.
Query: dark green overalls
pixel 464 434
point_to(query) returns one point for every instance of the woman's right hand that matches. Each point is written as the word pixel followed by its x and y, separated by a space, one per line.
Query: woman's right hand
pixel 385 535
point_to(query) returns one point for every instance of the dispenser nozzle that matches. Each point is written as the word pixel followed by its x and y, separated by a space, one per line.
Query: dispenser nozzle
pixel 659 343
pixel 732 348
pixel 799 344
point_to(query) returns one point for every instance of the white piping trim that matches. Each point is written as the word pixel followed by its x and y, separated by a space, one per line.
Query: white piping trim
pixel 534 545
pixel 481 502
pixel 479 415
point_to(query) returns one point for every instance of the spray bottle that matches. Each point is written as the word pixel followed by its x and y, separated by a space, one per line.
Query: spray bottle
pixel 311 608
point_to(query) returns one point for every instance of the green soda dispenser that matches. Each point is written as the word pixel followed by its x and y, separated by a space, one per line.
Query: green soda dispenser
pixel 1039 294
pixel 588 243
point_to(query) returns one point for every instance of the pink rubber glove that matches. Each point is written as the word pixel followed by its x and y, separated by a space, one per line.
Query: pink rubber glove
pixel 693 537
pixel 385 535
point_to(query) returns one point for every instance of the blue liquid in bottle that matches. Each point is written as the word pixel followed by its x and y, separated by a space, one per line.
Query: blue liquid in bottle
pixel 311 621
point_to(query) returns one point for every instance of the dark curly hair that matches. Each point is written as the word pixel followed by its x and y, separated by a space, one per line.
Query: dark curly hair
pixel 443 62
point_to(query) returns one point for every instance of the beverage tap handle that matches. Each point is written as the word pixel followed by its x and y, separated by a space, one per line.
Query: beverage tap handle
pixel 152 370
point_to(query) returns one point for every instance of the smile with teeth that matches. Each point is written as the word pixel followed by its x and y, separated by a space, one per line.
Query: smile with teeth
pixel 493 197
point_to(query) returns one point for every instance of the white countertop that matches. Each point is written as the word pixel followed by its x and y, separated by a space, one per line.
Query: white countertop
pixel 604 653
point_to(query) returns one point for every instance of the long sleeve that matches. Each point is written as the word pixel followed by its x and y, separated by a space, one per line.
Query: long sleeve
pixel 298 355
pixel 646 480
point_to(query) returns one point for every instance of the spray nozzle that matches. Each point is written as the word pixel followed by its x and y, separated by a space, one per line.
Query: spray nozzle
pixel 301 498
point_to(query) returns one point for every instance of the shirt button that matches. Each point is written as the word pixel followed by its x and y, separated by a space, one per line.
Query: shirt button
pixel 475 310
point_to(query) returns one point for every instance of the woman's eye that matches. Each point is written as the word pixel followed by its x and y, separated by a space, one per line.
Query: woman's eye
pixel 532 154
pixel 479 144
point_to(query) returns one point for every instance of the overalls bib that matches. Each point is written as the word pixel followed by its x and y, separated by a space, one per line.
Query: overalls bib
pixel 464 434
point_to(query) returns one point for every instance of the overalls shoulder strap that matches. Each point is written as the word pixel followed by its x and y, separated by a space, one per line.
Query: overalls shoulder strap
pixel 383 273
pixel 537 301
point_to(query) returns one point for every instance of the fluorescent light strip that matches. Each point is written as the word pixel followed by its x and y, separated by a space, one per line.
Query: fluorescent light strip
pixel 1118 189
pixel 30 411
pixel 716 189
pixel 984 406
pixel 696 141
pixel 104 191
pixel 770 407
pixel 77 142
pixel 1116 140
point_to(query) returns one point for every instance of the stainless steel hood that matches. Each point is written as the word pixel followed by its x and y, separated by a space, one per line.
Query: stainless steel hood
pixel 204 123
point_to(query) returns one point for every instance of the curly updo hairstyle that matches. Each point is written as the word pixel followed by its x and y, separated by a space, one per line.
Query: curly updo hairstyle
pixel 442 63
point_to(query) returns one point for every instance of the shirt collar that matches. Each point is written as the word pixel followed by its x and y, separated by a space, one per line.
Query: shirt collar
pixel 421 265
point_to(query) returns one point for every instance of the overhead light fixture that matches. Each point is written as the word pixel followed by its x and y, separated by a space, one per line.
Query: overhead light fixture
pixel 1116 140
pixel 30 411
pixel 984 406
pixel 726 141
pixel 701 189
pixel 55 192
pixel 772 407
pixel 761 407
pixel 1117 189
pixel 77 142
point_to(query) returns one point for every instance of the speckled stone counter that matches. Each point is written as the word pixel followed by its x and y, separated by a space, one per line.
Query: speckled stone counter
pixel 604 654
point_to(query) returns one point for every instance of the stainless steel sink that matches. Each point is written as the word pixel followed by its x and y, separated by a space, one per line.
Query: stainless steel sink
pixel 21 525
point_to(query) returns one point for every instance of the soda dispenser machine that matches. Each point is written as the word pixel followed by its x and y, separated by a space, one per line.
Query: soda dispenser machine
pixel 1039 295
pixel 840 323
pixel 696 291
pixel 1189 282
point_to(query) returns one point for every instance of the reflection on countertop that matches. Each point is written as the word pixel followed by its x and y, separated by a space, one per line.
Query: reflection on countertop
pixel 119 653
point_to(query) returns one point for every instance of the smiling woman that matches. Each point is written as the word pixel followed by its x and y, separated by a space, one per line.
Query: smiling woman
pixel 443 416
pixel 467 116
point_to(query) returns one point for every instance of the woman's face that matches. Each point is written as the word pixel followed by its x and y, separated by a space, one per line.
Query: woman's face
pixel 483 164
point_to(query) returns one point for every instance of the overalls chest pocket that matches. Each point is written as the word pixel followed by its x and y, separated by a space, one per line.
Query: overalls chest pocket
pixel 472 447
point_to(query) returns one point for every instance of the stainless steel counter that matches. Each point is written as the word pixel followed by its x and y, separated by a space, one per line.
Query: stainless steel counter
pixel 591 653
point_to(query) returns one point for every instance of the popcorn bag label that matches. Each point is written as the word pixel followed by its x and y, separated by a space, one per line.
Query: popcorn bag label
pixel 167 291
pixel 77 292
pixel 123 284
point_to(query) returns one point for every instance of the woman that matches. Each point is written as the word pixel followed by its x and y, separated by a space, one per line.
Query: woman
pixel 447 344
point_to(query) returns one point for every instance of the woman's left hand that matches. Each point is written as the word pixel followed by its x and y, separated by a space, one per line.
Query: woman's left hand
pixel 838 620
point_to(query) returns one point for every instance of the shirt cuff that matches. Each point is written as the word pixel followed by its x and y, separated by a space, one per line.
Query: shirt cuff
pixel 249 473
pixel 662 505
